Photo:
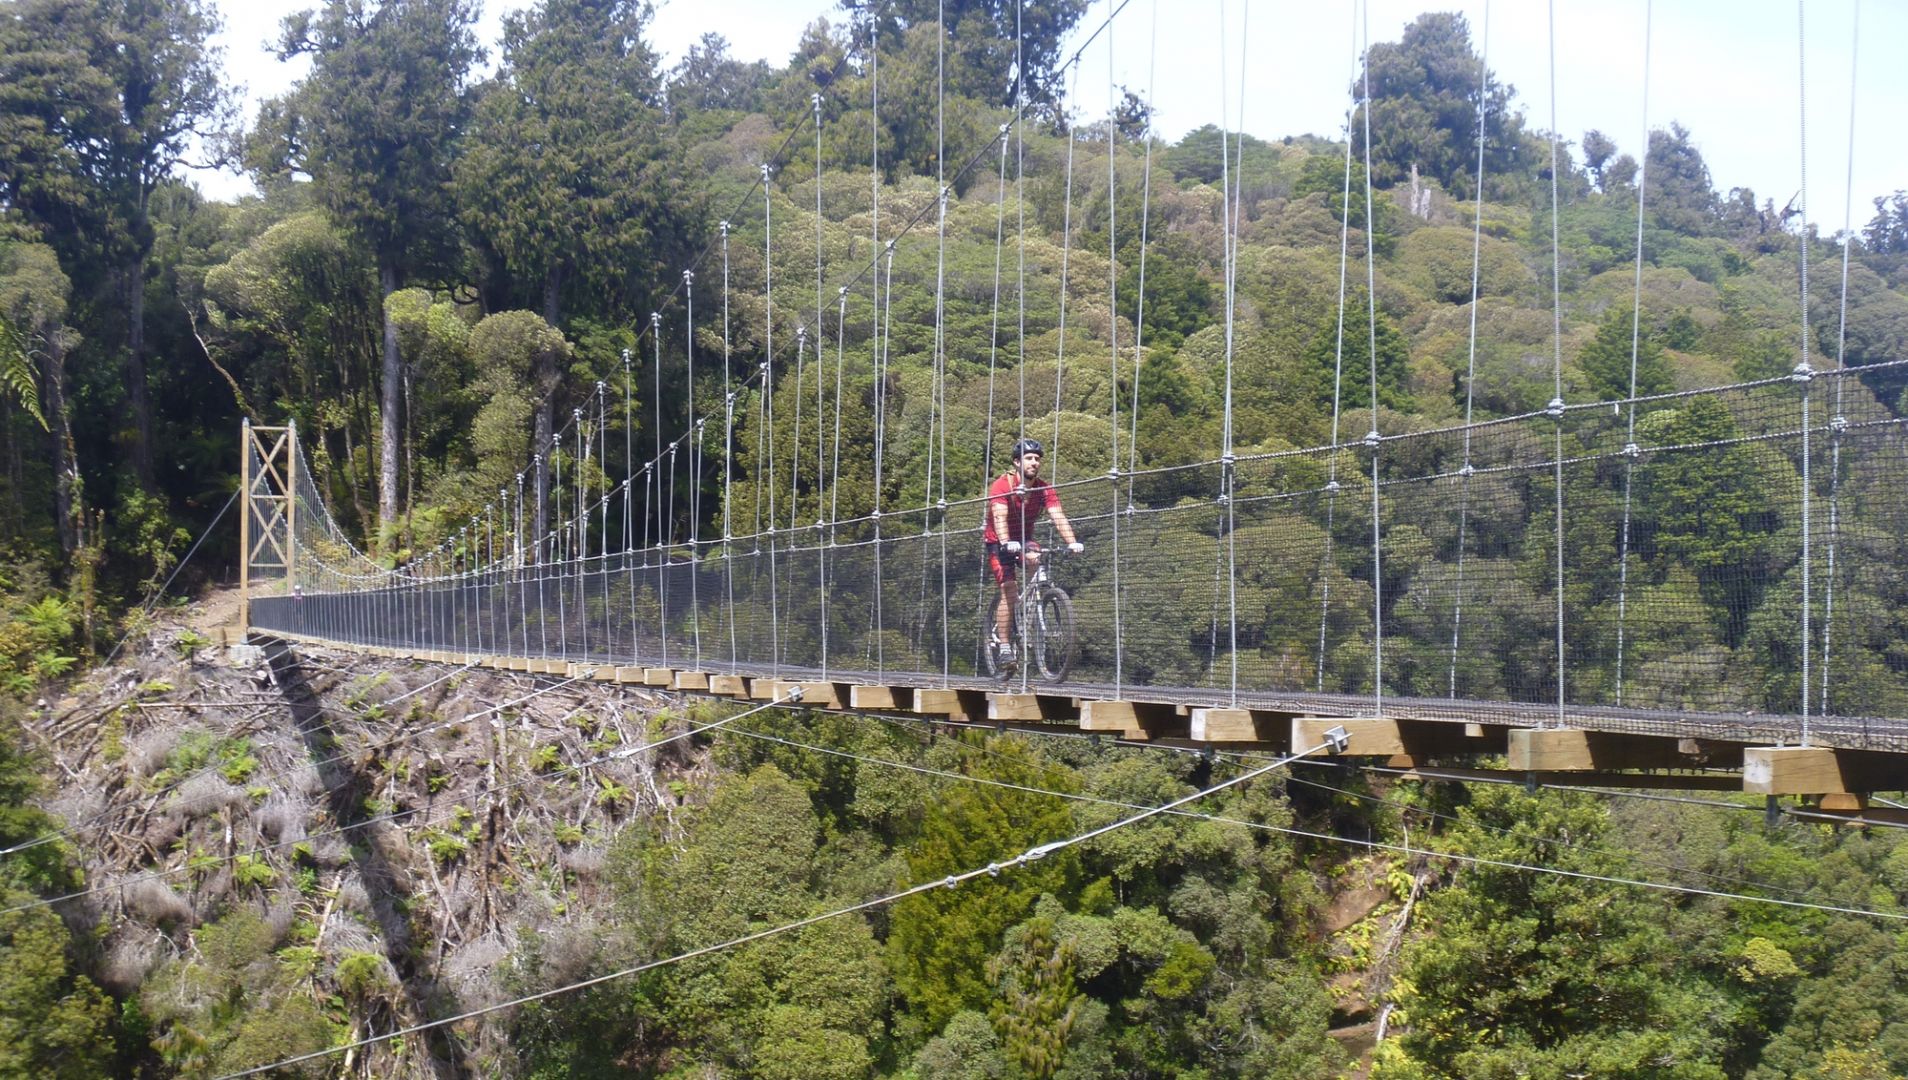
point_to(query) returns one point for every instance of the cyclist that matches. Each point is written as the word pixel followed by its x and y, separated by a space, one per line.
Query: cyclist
pixel 1014 504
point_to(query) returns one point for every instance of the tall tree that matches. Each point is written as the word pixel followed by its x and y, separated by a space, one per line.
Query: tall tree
pixel 707 77
pixel 565 175
pixel 1605 361
pixel 33 345
pixel 1426 90
pixel 377 122
pixel 170 97
pixel 111 97
pixel 985 39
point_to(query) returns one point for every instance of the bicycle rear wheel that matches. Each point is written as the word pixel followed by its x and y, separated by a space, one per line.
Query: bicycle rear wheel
pixel 989 663
pixel 1053 643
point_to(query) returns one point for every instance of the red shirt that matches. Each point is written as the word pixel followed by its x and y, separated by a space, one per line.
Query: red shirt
pixel 1024 503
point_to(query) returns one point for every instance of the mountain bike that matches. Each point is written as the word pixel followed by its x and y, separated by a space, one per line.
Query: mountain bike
pixel 1041 628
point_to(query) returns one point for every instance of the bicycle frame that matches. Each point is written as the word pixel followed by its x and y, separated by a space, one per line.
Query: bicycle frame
pixel 1024 615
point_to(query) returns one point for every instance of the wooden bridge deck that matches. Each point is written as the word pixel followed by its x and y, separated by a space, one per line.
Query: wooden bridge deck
pixel 1845 761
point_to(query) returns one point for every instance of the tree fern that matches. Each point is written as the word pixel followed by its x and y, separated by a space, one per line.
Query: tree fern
pixel 16 371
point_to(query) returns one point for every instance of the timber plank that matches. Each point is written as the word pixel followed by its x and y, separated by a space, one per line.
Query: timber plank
pixel 1418 740
pixel 899 698
pixel 1031 707
pixel 1568 749
pixel 956 705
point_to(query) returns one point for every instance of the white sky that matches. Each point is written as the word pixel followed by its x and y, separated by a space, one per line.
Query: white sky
pixel 1727 71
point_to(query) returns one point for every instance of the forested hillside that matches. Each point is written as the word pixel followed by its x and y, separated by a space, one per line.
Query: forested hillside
pixel 458 245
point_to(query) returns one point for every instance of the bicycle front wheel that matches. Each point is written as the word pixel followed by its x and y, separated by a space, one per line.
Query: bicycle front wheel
pixel 1053 644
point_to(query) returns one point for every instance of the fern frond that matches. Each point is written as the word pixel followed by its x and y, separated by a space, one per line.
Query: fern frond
pixel 16 372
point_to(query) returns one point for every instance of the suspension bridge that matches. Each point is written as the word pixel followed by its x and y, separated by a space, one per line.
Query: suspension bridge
pixel 1492 590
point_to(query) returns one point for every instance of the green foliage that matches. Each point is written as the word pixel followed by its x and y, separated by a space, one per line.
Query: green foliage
pixel 1341 368
pixel 197 750
pixel 252 870
pixel 16 371
pixel 1038 1001
pixel 940 940
pixel 1426 91
pixel 362 976
pixel 1533 971
pixel 54 1023
pixel 1607 361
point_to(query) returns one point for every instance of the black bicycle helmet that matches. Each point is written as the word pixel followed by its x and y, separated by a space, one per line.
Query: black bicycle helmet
pixel 1027 446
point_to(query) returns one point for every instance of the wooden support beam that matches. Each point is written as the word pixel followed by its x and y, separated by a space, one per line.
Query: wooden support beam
pixel 1136 721
pixel 818 695
pixel 1664 781
pixel 898 698
pixel 1574 749
pixel 1415 740
pixel 659 676
pixel 605 673
pixel 1816 770
pixel 960 705
pixel 692 680
pixel 765 689
pixel 632 675
pixel 729 685
pixel 1238 725
pixel 1032 707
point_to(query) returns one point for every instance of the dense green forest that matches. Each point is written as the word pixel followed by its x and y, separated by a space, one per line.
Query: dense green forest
pixel 441 264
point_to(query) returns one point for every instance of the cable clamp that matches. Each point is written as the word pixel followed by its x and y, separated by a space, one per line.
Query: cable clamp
pixel 1224 499
pixel 941 505
pixel 1838 424
pixel 993 869
pixel 820 525
pixel 1555 410
pixel 688 277
pixel 1632 451
pixel 1334 487
pixel 1004 127
pixel 1803 373
pixel 794 693
pixel 1338 739
pixel 950 881
pixel 1372 438
pixel 874 515
pixel 1130 510
pixel 1467 470
pixel 770 530
pixel 1113 473
pixel 1229 458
